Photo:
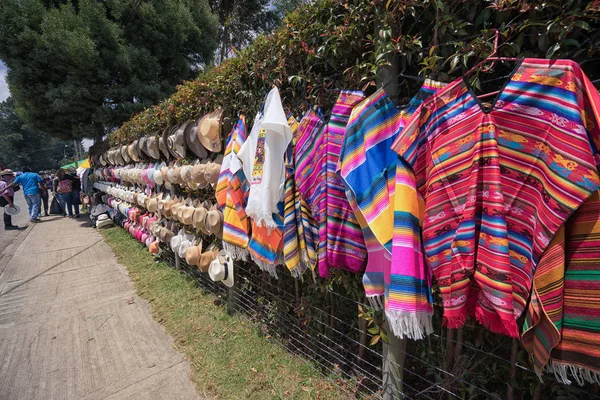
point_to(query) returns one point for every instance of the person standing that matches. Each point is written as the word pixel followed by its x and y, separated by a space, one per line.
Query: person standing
pixel 31 189
pixel 75 189
pixel 44 192
pixel 7 196
pixel 63 186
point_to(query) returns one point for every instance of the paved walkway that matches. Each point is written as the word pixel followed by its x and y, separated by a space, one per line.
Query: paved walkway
pixel 71 325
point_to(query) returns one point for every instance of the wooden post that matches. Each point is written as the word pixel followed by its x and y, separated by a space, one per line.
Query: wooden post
pixel 513 370
pixel 449 347
pixel 232 298
pixel 394 356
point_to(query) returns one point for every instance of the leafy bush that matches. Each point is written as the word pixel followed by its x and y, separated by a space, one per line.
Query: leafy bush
pixel 332 44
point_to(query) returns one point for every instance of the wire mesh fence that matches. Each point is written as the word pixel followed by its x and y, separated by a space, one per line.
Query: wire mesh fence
pixel 335 334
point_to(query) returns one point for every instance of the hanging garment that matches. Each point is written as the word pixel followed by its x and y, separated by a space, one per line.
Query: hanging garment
pixel 498 182
pixel 262 158
pixel 236 139
pixel 372 173
pixel 366 167
pixel 236 225
pixel 294 242
pixel 562 330
pixel 266 244
pixel 341 243
pixel 309 185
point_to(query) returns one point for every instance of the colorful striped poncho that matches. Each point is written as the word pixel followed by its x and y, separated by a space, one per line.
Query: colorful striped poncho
pixel 386 185
pixel 341 243
pixel 498 182
pixel 309 139
pixel 236 224
pixel 561 331
pixel 235 140
pixel 295 251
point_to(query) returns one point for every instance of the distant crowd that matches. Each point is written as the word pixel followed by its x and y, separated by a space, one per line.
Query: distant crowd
pixel 64 185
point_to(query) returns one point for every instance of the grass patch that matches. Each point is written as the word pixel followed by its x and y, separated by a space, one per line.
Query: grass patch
pixel 229 358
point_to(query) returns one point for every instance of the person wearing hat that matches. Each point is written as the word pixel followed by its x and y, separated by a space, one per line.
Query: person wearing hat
pixel 75 189
pixel 7 195
pixel 31 189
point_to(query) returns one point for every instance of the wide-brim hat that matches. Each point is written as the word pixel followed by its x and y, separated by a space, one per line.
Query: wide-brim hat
pixel 199 219
pixel 134 154
pixel 209 131
pixel 214 222
pixel 213 170
pixel 206 258
pixel 12 211
pixel 192 254
pixel 143 146
pixel 153 150
pixel 5 172
pixel 192 141
pixel 221 269
pixel 199 174
pixel 179 143
pixel 163 143
pixel 125 154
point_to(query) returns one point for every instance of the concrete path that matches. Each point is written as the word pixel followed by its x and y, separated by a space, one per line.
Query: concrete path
pixel 71 325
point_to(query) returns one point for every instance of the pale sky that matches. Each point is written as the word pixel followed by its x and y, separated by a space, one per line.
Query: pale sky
pixel 4 93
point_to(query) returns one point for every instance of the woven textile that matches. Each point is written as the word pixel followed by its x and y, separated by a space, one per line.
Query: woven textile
pixel 310 186
pixel 236 225
pixel 577 355
pixel 561 330
pixel 266 244
pixel 294 244
pixel 367 167
pixel 409 304
pixel 341 243
pixel 498 183
pixel 236 138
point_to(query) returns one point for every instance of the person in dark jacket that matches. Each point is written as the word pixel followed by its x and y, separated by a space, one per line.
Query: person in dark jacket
pixel 76 189
pixel 63 187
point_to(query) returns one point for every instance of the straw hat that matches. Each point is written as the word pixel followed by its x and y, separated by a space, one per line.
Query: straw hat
pixel 199 219
pixel 143 146
pixel 176 142
pixel 192 254
pixel 221 269
pixel 214 221
pixel 213 170
pixel 198 174
pixel 134 154
pixel 209 131
pixel 187 215
pixel 162 143
pixel 125 154
pixel 153 150
pixel 192 140
pixel 206 258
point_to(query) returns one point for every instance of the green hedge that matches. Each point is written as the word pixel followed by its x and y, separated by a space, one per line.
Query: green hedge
pixel 332 44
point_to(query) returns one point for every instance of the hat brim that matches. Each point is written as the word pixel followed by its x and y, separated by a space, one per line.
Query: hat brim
pixel 214 146
pixel 191 140
pixel 163 143
pixel 12 211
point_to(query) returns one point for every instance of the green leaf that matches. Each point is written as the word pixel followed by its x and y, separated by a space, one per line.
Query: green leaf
pixel 374 330
pixel 552 50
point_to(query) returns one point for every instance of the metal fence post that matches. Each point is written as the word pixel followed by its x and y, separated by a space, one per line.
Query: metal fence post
pixel 394 355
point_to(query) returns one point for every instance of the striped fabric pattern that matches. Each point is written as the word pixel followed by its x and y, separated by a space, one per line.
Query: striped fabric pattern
pixel 368 165
pixel 367 169
pixel 577 355
pixel 543 319
pixel 266 245
pixel 236 138
pixel 294 244
pixel 309 140
pixel 341 243
pixel 409 305
pixel 498 183
pixel 236 225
